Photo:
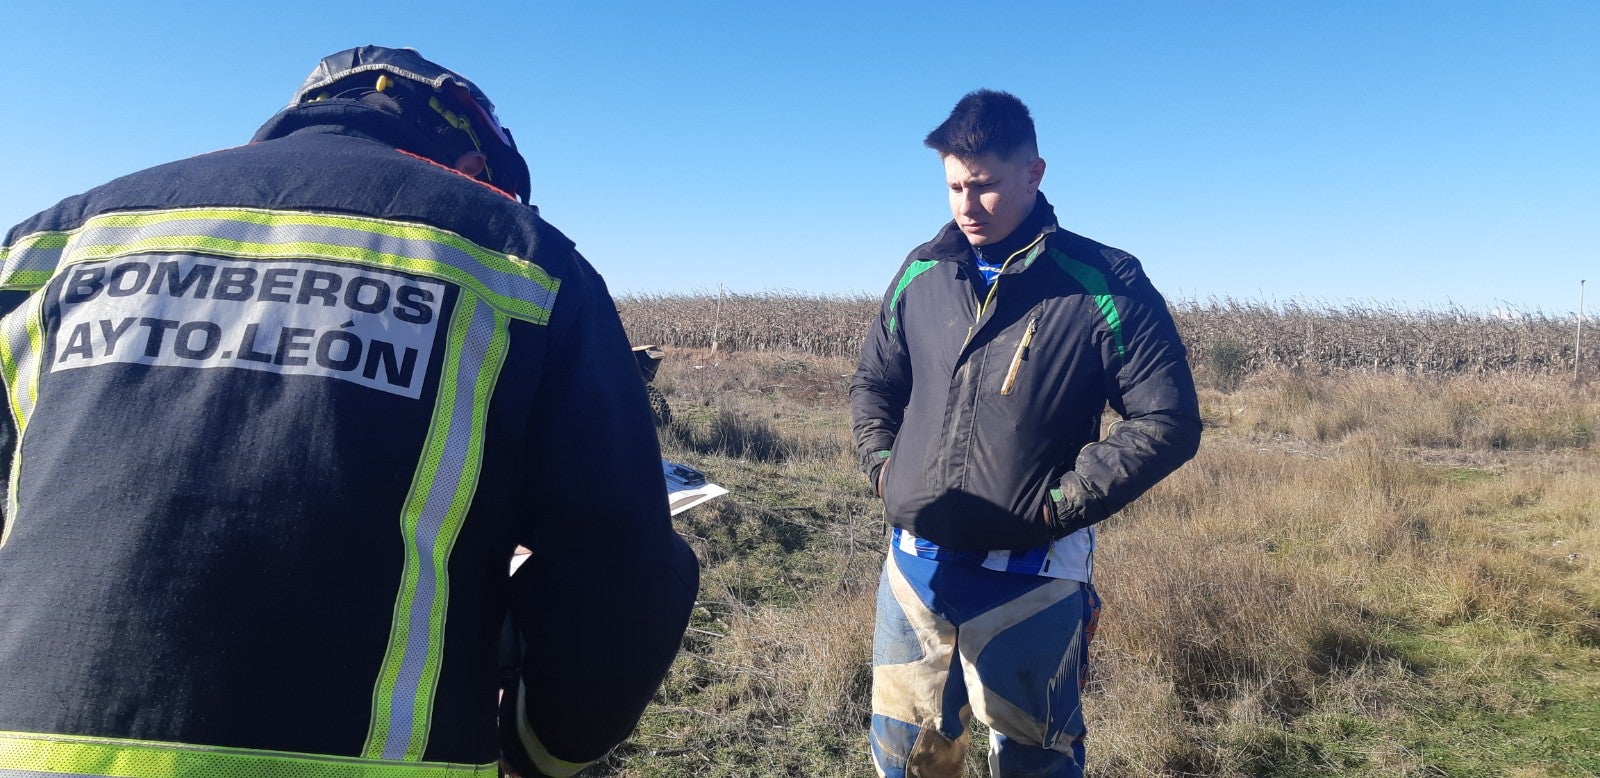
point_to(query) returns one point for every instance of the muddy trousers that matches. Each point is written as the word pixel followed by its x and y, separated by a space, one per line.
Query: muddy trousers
pixel 954 640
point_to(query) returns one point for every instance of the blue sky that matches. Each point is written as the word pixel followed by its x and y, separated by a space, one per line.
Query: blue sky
pixel 1406 154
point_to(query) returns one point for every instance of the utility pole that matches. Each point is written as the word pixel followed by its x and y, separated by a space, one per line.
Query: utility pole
pixel 716 318
pixel 1577 349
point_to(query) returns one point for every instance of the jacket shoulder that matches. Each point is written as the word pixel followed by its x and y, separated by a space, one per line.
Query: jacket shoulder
pixel 1122 271
pixel 72 211
pixel 925 256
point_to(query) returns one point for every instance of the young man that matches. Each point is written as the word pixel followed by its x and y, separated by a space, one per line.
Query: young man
pixel 279 415
pixel 977 409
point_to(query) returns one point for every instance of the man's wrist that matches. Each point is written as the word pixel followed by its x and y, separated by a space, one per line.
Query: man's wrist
pixel 1069 507
pixel 876 461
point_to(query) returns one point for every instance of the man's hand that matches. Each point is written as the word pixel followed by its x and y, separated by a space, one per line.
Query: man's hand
pixel 875 473
pixel 1071 506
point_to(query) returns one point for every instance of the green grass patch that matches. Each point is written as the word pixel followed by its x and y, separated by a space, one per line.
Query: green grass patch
pixel 1495 695
pixel 1468 475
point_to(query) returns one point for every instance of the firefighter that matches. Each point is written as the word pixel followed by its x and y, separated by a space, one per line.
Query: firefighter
pixel 278 416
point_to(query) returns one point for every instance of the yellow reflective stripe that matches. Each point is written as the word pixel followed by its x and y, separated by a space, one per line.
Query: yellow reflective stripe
pixel 14 344
pixel 21 356
pixel 28 263
pixel 514 285
pixel 25 280
pixel 442 489
pixel 500 262
pixel 537 753
pixel 29 366
pixel 318 251
pixel 114 758
pixel 8 373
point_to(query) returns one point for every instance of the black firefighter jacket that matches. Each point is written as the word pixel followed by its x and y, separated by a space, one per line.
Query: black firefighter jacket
pixel 279 416
pixel 989 409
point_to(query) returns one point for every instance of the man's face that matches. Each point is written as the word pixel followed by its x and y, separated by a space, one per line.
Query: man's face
pixel 990 196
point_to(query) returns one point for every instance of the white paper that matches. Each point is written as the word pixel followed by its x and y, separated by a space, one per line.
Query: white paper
pixel 686 488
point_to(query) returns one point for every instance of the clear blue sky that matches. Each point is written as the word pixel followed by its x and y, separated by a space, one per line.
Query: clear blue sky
pixel 1417 154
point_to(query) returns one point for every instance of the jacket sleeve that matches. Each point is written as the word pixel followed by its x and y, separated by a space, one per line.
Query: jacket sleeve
pixel 1149 384
pixel 601 604
pixel 880 388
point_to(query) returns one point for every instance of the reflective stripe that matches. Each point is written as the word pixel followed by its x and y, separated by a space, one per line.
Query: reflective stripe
pixel 18 354
pixel 21 356
pixel 493 289
pixel 26 754
pixel 534 747
pixel 24 266
pixel 511 284
pixel 28 264
pixel 440 494
pixel 1095 282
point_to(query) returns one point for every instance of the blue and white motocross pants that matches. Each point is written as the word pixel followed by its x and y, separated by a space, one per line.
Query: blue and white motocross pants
pixel 955 640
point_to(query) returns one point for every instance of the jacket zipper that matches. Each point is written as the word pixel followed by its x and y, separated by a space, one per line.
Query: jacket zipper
pixel 983 306
pixel 988 298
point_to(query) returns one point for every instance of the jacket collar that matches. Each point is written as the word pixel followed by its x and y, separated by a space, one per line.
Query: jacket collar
pixel 351 117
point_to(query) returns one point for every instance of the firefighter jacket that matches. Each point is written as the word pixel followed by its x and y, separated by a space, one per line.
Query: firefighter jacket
pixel 983 414
pixel 278 417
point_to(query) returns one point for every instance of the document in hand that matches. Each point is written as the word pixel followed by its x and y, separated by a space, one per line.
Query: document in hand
pixel 686 488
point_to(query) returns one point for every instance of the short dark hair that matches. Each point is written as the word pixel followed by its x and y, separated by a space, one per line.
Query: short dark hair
pixel 985 121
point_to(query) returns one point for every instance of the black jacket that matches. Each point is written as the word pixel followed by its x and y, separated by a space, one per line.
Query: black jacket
pixel 280 415
pixel 972 459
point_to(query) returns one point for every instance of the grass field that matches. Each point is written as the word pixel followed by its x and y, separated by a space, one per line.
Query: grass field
pixel 1360 574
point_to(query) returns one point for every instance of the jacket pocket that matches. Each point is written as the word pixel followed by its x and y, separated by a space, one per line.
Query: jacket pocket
pixel 1019 356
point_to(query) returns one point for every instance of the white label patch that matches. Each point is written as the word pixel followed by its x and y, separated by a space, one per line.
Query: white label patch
pixel 362 325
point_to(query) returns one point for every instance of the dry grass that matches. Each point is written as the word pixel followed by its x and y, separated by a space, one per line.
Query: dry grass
pixel 1361 574
pixel 1262 587
pixel 1487 413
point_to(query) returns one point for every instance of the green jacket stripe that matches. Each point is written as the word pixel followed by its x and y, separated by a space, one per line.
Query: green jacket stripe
pixel 440 494
pixel 915 269
pixel 1095 283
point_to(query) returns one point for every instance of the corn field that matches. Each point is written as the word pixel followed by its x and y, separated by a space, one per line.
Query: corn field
pixel 776 321
pixel 1227 339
